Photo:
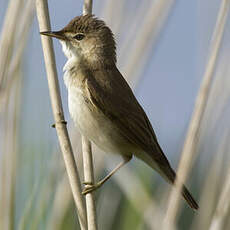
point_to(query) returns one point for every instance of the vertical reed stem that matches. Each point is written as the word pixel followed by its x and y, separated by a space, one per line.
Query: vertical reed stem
pixel 89 177
pixel 193 131
pixel 87 157
pixel 44 24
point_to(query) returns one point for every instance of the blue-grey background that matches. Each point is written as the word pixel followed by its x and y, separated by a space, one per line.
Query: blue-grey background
pixel 167 87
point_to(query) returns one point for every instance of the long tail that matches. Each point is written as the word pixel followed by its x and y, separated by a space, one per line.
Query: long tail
pixel 188 197
pixel 171 176
pixel 164 169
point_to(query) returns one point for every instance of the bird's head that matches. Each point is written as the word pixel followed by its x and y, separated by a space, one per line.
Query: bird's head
pixel 87 38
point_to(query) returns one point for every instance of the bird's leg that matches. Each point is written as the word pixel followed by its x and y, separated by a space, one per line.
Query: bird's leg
pixel 91 187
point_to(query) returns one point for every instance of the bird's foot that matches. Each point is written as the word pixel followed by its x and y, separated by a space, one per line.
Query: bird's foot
pixel 90 187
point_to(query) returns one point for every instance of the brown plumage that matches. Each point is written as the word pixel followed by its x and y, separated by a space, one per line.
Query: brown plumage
pixel 127 114
pixel 101 102
pixel 96 28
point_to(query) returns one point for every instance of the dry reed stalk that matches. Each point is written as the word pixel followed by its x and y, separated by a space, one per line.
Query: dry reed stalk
pixel 5 178
pixel 22 35
pixel 87 7
pixel 7 36
pixel 89 177
pixel 9 160
pixel 189 146
pixel 62 196
pixel 219 93
pixel 130 37
pixel 10 92
pixel 44 24
pixel 13 141
pixel 211 186
pixel 109 14
pixel 223 205
pixel 153 22
pixel 87 157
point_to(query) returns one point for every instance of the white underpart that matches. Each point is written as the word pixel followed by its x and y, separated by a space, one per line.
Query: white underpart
pixel 93 125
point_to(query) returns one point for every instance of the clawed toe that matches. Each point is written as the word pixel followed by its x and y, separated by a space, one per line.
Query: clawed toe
pixel 87 183
pixel 89 188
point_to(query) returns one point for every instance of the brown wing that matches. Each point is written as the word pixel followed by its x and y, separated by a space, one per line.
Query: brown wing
pixel 117 101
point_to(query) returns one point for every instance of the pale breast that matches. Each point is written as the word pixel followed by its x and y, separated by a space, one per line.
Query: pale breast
pixel 78 103
pixel 93 124
pixel 89 120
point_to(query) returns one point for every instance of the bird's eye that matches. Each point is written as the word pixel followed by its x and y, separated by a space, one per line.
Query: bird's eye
pixel 79 37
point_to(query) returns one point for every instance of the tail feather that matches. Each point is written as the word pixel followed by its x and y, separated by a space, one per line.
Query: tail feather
pixel 188 197
pixel 171 175
pixel 162 166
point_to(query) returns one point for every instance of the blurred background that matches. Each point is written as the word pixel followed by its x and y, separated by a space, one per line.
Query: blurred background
pixel 163 47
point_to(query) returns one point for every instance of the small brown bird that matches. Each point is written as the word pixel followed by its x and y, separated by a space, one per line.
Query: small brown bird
pixel 102 104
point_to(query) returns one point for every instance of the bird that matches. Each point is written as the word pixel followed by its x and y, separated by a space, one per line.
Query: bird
pixel 102 104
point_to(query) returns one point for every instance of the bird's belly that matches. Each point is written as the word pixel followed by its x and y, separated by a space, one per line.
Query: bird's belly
pixel 93 124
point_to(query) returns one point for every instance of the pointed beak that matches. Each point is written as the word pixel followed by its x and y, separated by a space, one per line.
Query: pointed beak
pixel 55 34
